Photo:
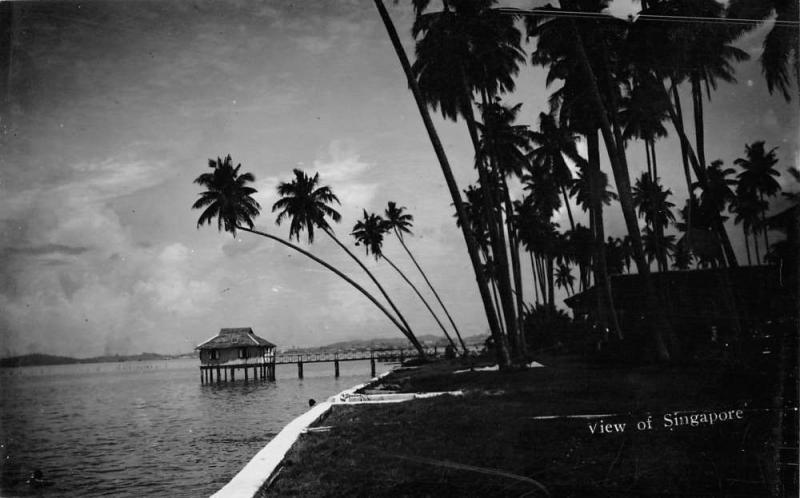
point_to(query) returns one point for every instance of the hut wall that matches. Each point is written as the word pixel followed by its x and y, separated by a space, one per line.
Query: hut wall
pixel 232 356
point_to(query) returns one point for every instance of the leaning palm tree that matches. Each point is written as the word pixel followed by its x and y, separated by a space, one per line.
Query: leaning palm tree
pixel 369 232
pixel 400 223
pixel 228 198
pixel 306 203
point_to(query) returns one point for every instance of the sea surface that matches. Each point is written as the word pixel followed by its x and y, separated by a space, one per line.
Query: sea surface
pixel 145 428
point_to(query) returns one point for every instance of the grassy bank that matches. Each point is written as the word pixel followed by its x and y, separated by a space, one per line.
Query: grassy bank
pixel 490 443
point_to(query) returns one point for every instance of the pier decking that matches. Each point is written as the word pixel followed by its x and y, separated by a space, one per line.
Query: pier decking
pixel 263 368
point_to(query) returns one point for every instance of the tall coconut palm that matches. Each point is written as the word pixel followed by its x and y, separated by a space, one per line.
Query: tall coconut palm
pixel 464 49
pixel 228 197
pixel 642 115
pixel 782 43
pixel 701 55
pixel 400 223
pixel 306 204
pixel 759 175
pixel 653 205
pixel 369 232
pixel 552 144
pixel 473 249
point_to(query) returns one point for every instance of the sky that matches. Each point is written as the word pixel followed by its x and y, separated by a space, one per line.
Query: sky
pixel 113 108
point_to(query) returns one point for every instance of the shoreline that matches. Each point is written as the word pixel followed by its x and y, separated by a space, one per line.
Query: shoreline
pixel 266 463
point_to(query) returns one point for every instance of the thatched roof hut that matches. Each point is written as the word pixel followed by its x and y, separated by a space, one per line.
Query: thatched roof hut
pixel 235 345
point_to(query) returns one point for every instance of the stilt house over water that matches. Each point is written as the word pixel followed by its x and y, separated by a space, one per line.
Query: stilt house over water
pixel 236 349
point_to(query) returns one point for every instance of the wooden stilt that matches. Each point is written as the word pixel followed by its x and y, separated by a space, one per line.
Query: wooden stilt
pixel 372 365
pixel 226 374
pixel 219 377
pixel 299 369
pixel 336 368
pixel 233 374
pixel 245 373
pixel 202 381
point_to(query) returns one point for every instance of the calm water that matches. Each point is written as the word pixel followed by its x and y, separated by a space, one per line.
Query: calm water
pixel 145 428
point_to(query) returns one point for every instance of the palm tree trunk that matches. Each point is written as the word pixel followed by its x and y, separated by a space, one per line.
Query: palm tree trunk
pixel 430 286
pixel 486 175
pixel 747 245
pixel 660 325
pixel 700 173
pixel 533 270
pixel 516 272
pixel 764 226
pixel 755 243
pixel 601 279
pixel 403 275
pixel 697 99
pixel 677 121
pixel 647 156
pixel 369 296
pixel 503 358
pixel 371 276
pixel 655 163
pixel 569 210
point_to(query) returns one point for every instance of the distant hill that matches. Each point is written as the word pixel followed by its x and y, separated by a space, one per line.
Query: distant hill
pixel 427 340
pixel 38 359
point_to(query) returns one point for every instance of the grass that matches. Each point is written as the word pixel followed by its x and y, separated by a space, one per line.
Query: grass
pixel 488 443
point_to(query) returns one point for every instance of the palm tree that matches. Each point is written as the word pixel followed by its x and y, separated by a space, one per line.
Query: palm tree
pixel 551 145
pixel 674 52
pixel 369 233
pixel 306 203
pixel 564 278
pixel 782 43
pixel 400 223
pixel 466 48
pixel 758 176
pixel 469 48
pixel 653 205
pixel 642 114
pixel 748 208
pixel 228 197
pixel 455 194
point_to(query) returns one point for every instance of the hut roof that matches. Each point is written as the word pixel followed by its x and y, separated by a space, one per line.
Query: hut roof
pixel 235 338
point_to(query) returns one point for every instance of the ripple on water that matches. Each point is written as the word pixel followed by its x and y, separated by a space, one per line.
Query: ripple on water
pixel 144 428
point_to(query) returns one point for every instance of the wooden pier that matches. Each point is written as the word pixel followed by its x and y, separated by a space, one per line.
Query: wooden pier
pixel 263 368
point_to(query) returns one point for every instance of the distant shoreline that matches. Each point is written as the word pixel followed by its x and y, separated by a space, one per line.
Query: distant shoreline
pixel 41 360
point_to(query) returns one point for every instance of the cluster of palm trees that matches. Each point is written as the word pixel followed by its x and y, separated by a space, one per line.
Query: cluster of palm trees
pixel 309 207
pixel 620 82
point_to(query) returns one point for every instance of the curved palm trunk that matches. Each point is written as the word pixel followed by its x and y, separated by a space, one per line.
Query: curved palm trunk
pixel 660 325
pixel 375 280
pixel 430 286
pixel 369 296
pixel 403 275
pixel 503 359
